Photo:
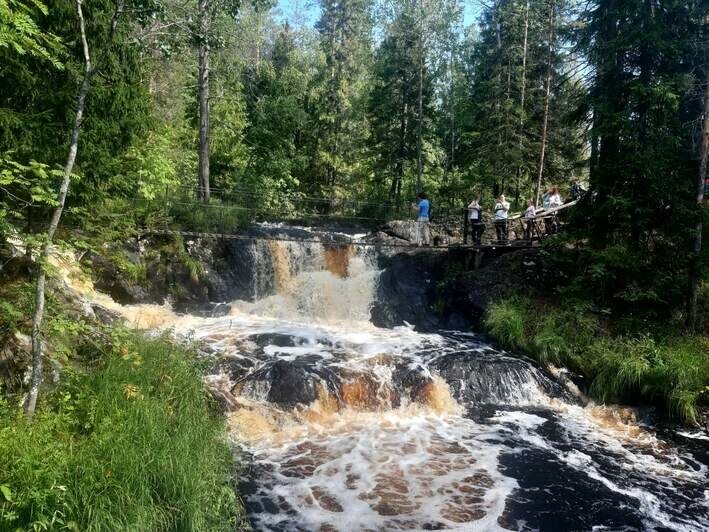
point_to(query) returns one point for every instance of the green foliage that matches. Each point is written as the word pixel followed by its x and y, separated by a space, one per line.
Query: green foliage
pixel 548 343
pixel 23 187
pixel 212 218
pixel 148 163
pixel 675 372
pixel 20 33
pixel 501 132
pixel 505 321
pixel 15 306
pixel 633 231
pixel 132 445
pixel 670 370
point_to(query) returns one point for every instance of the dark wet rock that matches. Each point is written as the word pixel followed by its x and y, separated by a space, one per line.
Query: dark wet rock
pixel 434 289
pixel 502 272
pixel 220 309
pixel 110 280
pixel 285 340
pixel 235 367
pixel 475 378
pixel 444 230
pixel 14 261
pixel 429 288
pixel 105 316
pixel 276 339
pixel 73 303
pixel 15 360
pixel 215 310
pixel 407 290
pixel 290 383
pixel 412 381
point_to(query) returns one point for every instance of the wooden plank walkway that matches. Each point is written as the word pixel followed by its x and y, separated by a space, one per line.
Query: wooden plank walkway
pixel 515 244
pixel 538 234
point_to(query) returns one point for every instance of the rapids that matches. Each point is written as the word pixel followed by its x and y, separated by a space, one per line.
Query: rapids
pixel 340 425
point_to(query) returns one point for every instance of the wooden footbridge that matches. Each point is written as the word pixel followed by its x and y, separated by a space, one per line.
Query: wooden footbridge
pixel 223 220
pixel 244 215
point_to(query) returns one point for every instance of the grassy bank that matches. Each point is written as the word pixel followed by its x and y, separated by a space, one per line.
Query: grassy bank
pixel 132 444
pixel 665 369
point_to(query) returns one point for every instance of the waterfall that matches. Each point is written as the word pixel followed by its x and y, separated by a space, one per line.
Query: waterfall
pixel 314 279
pixel 342 425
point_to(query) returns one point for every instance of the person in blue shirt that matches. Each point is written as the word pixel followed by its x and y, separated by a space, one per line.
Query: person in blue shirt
pixel 423 209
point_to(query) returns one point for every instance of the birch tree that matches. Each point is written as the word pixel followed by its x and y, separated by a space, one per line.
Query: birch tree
pixel 547 96
pixel 38 315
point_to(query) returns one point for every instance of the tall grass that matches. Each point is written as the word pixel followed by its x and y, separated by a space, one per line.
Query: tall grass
pixel 134 445
pixel 505 321
pixel 671 371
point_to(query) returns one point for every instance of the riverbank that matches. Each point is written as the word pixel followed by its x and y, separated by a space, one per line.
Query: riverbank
pixel 653 366
pixel 125 437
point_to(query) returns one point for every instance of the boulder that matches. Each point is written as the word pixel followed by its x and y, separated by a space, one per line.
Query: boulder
pixel 408 289
pixel 480 377
pixel 108 279
pixel 503 273
pixel 289 384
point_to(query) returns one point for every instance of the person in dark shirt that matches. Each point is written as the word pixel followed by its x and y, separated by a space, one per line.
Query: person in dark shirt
pixel 576 189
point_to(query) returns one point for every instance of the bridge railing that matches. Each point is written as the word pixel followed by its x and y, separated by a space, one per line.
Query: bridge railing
pixel 544 223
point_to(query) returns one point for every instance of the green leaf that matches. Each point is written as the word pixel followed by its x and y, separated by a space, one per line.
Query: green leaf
pixel 7 493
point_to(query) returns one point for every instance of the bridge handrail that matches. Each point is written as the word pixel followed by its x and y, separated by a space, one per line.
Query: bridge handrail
pixel 542 212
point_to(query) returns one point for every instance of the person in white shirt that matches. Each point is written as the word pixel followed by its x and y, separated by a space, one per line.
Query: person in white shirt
pixel 502 209
pixel 476 220
pixel 555 199
pixel 554 202
pixel 529 219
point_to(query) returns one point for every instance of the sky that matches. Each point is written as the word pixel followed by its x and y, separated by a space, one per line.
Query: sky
pixel 309 10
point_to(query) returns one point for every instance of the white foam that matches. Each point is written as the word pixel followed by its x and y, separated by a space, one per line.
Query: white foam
pixel 408 467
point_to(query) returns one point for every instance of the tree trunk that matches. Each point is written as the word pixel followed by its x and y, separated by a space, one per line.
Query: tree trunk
pixel 452 106
pixel 498 94
pixel 38 316
pixel 547 93
pixel 333 98
pixel 697 248
pixel 521 100
pixel 203 82
pixel 419 157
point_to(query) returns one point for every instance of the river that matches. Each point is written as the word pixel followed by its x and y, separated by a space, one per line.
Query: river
pixel 340 425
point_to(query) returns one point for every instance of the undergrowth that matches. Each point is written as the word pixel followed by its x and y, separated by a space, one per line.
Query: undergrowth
pixel 132 444
pixel 622 366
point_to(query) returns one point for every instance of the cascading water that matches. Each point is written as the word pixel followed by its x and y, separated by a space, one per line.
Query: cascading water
pixel 345 426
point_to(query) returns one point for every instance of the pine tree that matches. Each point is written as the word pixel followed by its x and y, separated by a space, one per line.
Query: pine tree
pixel 345 30
pixel 516 59
pixel 643 172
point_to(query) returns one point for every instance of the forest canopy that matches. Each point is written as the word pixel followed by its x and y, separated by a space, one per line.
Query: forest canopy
pixel 372 103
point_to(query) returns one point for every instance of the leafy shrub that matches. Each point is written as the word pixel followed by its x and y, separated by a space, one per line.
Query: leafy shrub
pixel 131 446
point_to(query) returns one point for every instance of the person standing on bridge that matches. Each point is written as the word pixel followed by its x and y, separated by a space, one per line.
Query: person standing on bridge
pixel 502 209
pixel 476 220
pixel 576 189
pixel 423 209
pixel 554 203
pixel 529 215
